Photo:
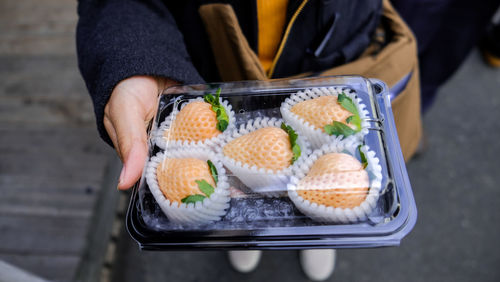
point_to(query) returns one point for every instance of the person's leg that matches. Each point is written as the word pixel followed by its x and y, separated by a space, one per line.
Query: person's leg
pixel 318 265
pixel 244 261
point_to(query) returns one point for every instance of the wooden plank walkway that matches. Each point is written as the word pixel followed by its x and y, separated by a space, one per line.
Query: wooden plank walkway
pixel 52 161
pixel 9 273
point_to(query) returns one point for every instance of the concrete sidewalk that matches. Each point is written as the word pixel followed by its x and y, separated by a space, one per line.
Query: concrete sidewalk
pixel 52 161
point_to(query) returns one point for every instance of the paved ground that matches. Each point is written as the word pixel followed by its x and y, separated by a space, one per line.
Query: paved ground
pixel 456 188
pixel 51 159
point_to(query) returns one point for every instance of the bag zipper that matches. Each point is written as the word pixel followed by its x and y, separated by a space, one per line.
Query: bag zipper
pixel 285 37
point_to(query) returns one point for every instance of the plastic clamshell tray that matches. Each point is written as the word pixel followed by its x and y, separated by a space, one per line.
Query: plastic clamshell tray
pixel 254 220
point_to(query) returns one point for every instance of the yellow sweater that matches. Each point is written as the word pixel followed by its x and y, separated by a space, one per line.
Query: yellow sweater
pixel 271 16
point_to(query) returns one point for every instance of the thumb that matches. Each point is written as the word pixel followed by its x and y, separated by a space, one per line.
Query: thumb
pixel 131 138
pixel 130 108
pixel 133 163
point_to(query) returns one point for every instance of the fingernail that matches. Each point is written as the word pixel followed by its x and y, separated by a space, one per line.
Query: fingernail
pixel 122 174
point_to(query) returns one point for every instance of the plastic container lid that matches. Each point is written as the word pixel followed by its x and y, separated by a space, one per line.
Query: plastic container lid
pixel 286 164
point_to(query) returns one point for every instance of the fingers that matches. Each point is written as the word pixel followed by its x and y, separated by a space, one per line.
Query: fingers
pixel 131 106
pixel 132 145
pixel 112 135
pixel 133 165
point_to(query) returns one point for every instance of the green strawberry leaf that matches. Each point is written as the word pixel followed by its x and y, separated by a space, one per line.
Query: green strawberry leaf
pixel 217 94
pixel 222 119
pixel 338 128
pixel 221 115
pixel 347 103
pixel 193 199
pixel 364 160
pixel 354 119
pixel 296 152
pixel 213 171
pixel 292 135
pixel 209 98
pixel 205 187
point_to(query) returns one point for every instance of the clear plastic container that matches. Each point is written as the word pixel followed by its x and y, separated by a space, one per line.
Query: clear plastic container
pixel 359 196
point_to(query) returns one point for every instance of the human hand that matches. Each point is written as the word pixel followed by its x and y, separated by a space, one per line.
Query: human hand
pixel 127 114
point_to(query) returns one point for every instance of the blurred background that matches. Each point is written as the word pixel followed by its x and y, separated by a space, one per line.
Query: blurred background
pixel 61 217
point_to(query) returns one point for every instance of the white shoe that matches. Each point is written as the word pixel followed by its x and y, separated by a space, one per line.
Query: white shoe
pixel 244 261
pixel 318 265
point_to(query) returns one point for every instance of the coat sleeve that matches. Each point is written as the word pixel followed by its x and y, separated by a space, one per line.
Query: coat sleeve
pixel 117 39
